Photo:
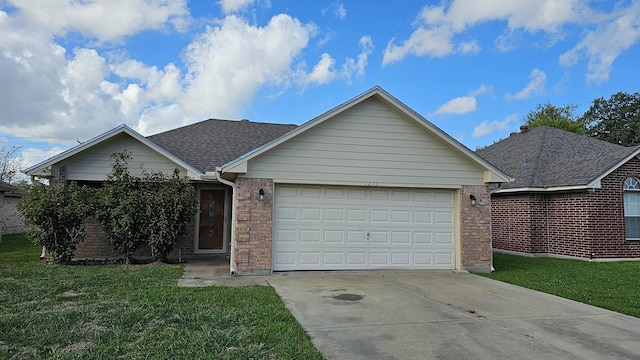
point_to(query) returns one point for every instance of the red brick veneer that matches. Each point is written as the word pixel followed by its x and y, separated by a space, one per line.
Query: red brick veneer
pixel 475 228
pixel 581 224
pixel 254 226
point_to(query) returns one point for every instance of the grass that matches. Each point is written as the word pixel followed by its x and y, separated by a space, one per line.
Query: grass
pixel 135 312
pixel 610 285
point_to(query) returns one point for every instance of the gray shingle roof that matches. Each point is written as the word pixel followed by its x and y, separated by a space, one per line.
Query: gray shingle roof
pixel 546 157
pixel 10 190
pixel 213 142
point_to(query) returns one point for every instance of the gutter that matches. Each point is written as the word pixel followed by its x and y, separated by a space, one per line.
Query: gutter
pixel 234 196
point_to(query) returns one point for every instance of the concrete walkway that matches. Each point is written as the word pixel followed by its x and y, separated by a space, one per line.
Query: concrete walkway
pixel 435 315
pixel 214 271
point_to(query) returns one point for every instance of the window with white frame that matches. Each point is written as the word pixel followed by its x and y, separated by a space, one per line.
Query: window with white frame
pixel 632 208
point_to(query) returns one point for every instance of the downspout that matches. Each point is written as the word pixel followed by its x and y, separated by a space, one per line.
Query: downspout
pixel 234 196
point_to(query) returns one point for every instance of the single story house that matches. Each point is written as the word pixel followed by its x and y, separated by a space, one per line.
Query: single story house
pixel 573 196
pixel 11 220
pixel 369 184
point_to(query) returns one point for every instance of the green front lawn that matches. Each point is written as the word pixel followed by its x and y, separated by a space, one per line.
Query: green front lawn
pixel 610 285
pixel 135 312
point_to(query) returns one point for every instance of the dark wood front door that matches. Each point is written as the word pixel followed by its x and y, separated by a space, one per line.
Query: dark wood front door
pixel 212 220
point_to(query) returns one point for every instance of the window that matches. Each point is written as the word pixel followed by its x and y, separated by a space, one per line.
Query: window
pixel 632 208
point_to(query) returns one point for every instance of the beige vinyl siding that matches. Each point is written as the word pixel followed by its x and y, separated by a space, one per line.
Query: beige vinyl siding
pixel 368 145
pixel 94 164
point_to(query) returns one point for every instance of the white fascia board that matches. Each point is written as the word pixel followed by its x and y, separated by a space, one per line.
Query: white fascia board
pixel 615 167
pixel 547 190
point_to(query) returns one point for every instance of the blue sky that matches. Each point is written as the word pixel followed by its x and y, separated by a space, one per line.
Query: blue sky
pixel 70 70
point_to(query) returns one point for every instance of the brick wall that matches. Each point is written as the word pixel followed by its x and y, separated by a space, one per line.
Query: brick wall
pixel 569 230
pixel 11 220
pixel 254 226
pixel 96 245
pixel 475 228
pixel 607 215
pixel 511 222
pixel 580 224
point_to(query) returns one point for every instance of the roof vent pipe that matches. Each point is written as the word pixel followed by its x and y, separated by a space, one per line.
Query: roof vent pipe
pixel 524 128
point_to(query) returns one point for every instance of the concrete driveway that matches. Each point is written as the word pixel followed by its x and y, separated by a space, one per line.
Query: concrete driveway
pixel 445 315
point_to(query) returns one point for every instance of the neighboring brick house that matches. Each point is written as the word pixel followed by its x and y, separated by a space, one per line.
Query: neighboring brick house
pixel 370 184
pixel 11 220
pixel 573 196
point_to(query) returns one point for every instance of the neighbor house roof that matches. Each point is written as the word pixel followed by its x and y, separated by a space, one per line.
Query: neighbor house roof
pixel 10 190
pixel 550 159
pixel 209 144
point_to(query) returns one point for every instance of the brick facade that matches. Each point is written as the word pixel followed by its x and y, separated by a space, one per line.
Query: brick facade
pixel 96 245
pixel 475 229
pixel 585 224
pixel 253 226
pixel 11 220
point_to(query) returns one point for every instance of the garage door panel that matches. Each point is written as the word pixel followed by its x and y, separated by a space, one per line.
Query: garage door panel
pixel 335 228
pixel 332 259
pixel 334 237
pixel 357 215
pixel 356 259
pixel 310 214
pixel 379 216
pixel 368 259
pixel 310 236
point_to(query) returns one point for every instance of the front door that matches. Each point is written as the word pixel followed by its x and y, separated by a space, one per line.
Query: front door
pixel 211 222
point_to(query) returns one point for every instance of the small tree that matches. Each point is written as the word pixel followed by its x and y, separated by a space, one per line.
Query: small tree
pixel 10 163
pixel 553 116
pixel 120 208
pixel 155 209
pixel 57 216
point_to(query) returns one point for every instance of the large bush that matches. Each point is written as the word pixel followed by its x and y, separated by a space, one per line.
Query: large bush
pixel 170 204
pixel 153 210
pixel 56 215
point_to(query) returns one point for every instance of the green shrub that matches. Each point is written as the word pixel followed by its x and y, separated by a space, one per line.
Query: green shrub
pixel 153 210
pixel 56 215
pixel 170 204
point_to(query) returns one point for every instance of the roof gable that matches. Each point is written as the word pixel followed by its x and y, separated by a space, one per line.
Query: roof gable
pixel 550 158
pixel 492 174
pixel 41 168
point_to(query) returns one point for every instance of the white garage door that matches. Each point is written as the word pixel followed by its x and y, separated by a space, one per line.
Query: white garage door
pixel 333 228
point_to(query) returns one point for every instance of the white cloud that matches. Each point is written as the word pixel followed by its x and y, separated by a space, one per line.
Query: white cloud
pixel 432 42
pixel 464 104
pixel 605 43
pixel 459 105
pixel 337 9
pixel 105 20
pixel 487 127
pixel 437 26
pixel 61 97
pixel 229 6
pixel 470 47
pixel 605 36
pixel 324 71
pixel 534 87
pixel 482 90
pixel 227 63
pixel 33 156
